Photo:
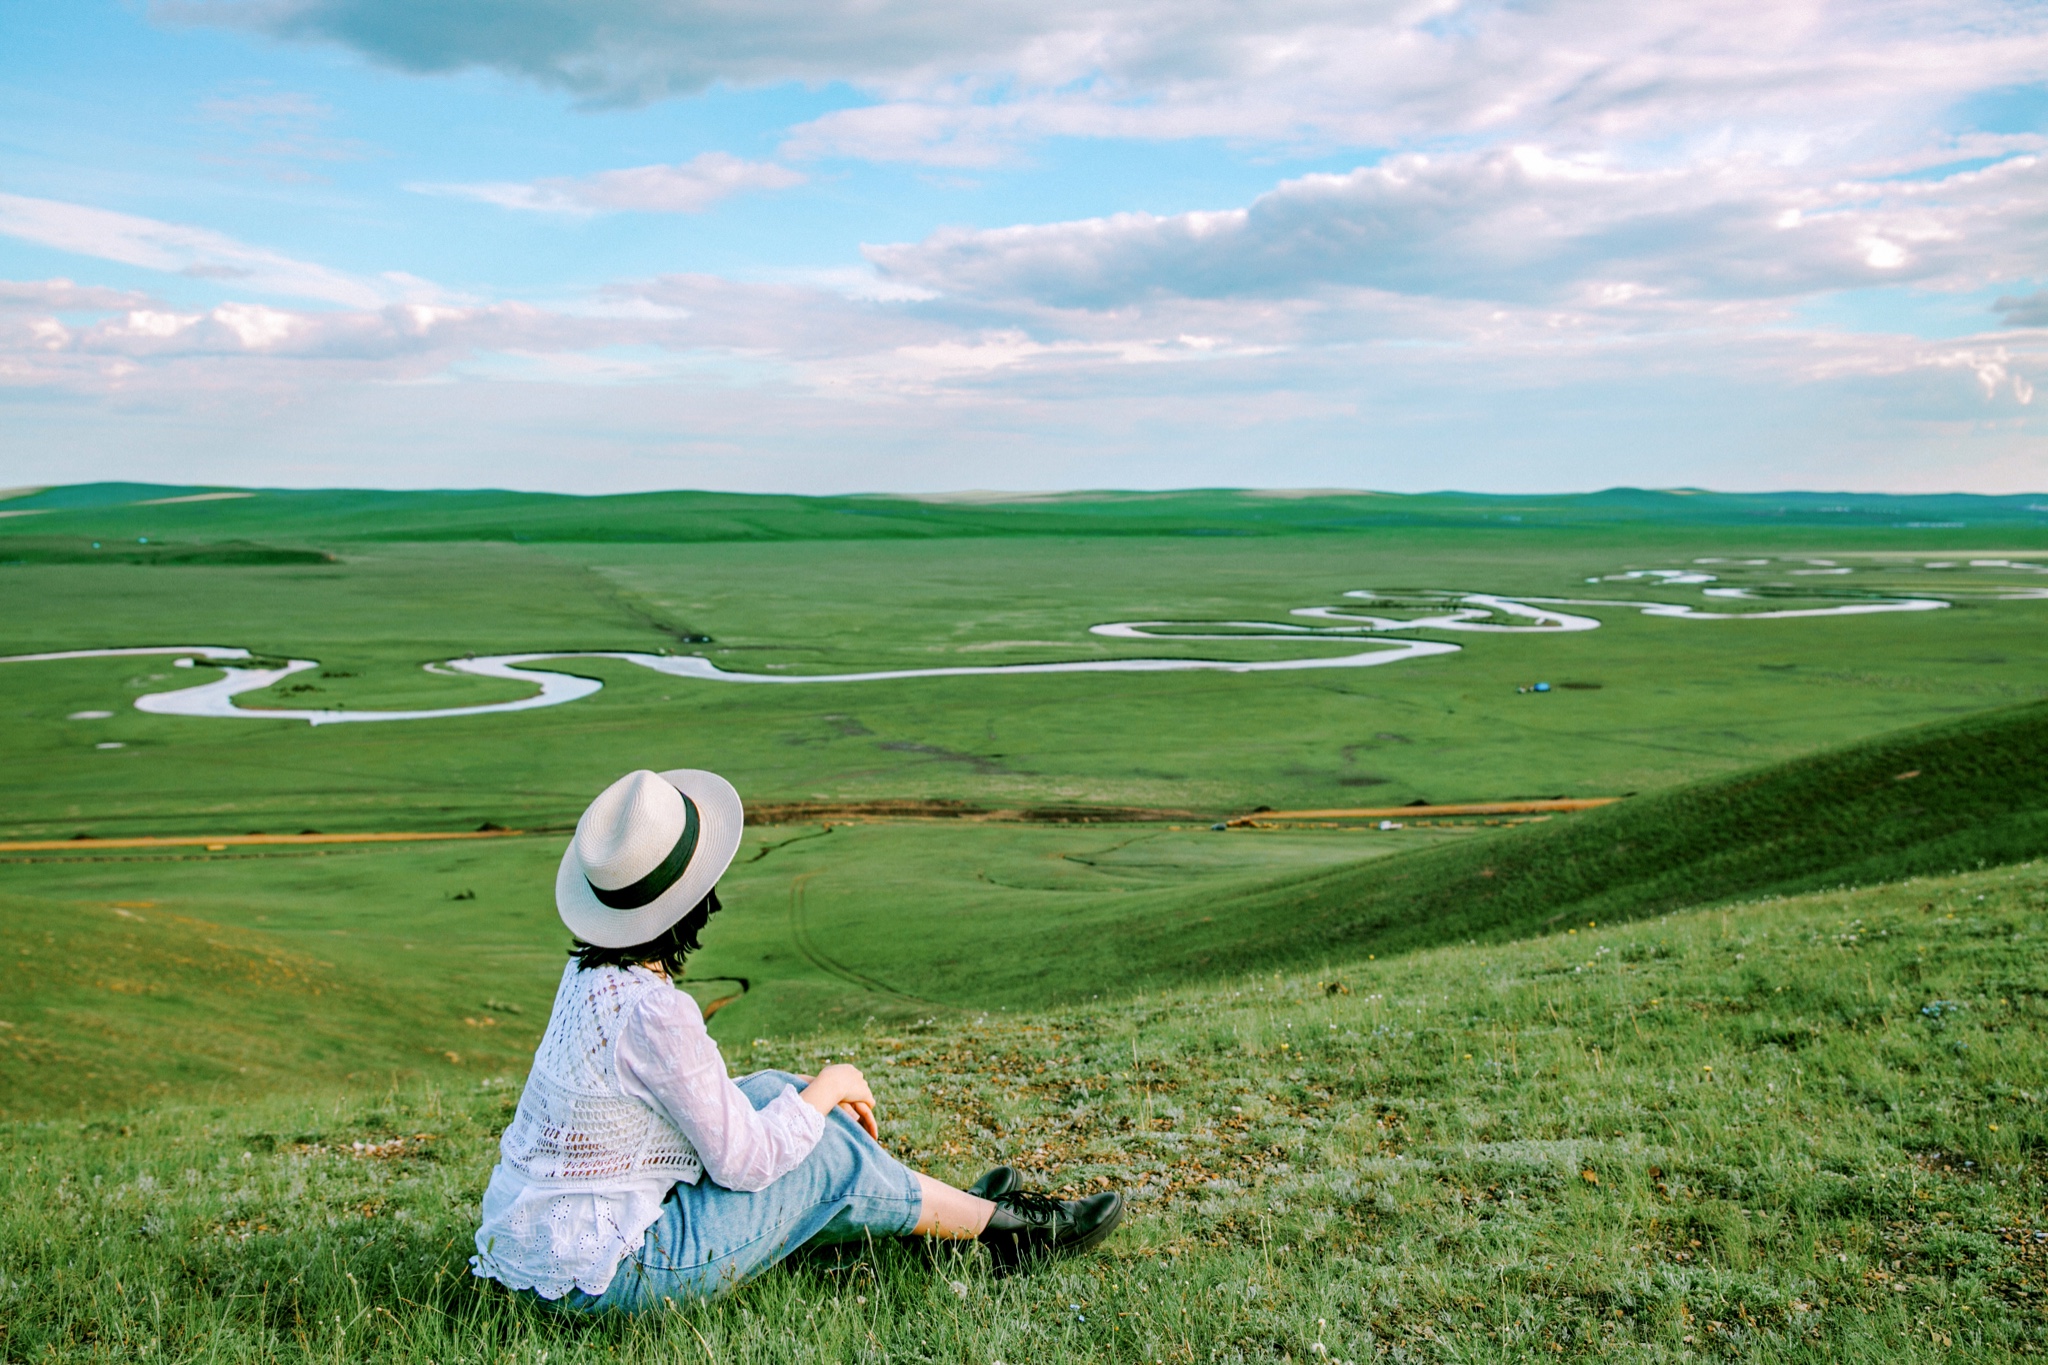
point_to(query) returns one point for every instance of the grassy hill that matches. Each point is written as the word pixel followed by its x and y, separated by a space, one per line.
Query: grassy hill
pixel 126 511
pixel 1939 798
pixel 1797 1130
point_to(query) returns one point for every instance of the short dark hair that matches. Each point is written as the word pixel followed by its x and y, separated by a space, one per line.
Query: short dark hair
pixel 668 948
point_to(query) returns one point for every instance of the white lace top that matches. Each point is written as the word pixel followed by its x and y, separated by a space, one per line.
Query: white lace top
pixel 628 1095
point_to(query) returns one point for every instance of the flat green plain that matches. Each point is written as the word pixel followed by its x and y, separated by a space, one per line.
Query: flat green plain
pixel 1677 699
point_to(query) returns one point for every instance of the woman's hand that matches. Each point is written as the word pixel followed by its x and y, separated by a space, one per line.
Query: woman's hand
pixel 842 1086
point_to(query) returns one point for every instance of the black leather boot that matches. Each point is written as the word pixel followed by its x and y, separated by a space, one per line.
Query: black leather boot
pixel 996 1183
pixel 1028 1227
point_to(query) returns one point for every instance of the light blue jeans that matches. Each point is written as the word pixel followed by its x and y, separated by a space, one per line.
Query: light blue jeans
pixel 710 1239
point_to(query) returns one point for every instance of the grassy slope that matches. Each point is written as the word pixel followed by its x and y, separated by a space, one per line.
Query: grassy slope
pixel 257 971
pixel 1940 798
pixel 1838 817
pixel 1788 1131
pixel 239 975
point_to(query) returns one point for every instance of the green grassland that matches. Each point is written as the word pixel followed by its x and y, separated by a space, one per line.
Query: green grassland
pixel 1650 1081
pixel 1675 699
pixel 1791 1130
pixel 396 959
pixel 911 919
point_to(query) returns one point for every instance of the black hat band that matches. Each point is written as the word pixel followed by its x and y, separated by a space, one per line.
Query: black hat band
pixel 667 874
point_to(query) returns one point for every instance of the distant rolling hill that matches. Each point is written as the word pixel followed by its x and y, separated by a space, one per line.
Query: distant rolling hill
pixel 325 516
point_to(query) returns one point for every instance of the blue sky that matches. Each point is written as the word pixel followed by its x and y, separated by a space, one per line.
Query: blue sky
pixel 594 245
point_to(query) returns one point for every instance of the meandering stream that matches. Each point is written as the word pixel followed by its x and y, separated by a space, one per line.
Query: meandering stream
pixel 1461 612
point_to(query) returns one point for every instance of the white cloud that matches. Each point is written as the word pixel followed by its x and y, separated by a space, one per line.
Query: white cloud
pixel 1520 226
pixel 1992 368
pixel 691 187
pixel 1528 266
pixel 62 295
pixel 176 249
pixel 256 327
pixel 630 50
pixel 1520 413
pixel 152 325
pixel 964 84
pixel 880 352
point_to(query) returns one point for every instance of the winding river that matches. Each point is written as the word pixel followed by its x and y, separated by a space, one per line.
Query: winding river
pixel 1460 612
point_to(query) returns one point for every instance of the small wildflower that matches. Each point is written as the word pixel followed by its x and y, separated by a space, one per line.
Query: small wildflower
pixel 960 1288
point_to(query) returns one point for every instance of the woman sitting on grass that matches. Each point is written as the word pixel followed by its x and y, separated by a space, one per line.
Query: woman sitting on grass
pixel 635 1171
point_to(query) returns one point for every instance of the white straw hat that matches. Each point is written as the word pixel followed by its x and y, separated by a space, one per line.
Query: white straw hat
pixel 647 850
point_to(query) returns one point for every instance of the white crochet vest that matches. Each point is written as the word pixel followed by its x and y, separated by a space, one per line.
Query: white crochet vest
pixel 575 1125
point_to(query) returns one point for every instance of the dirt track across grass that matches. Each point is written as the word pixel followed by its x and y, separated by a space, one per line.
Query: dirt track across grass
pixel 1423 812
pixel 222 841
pixel 809 812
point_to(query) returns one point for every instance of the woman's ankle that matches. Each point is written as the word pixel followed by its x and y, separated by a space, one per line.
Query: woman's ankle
pixel 949 1213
